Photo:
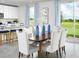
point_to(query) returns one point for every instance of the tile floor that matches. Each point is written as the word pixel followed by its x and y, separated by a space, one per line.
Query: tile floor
pixel 11 51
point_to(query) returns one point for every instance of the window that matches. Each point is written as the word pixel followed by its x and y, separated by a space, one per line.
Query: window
pixel 31 20
pixel 70 18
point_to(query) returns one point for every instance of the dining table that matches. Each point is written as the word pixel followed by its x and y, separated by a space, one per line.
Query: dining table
pixel 42 38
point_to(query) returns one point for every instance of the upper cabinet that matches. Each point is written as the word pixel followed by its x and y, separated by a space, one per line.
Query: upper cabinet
pixel 1 9
pixel 9 12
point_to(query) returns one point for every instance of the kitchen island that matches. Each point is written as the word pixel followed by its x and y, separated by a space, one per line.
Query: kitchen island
pixel 8 33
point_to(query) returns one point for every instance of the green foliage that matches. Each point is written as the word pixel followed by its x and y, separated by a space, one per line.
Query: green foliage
pixel 31 18
pixel 77 20
pixel 67 20
pixel 70 26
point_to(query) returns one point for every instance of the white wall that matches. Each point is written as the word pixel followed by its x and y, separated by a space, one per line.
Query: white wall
pixel 9 11
pixel 36 13
pixel 57 12
pixel 23 12
pixel 24 15
pixel 50 5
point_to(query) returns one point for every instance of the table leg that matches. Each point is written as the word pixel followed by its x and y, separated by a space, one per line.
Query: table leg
pixel 40 50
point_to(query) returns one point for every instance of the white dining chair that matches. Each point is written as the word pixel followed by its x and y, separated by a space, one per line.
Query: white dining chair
pixel 62 42
pixel 23 42
pixel 29 30
pixel 40 30
pixel 54 43
pixel 46 27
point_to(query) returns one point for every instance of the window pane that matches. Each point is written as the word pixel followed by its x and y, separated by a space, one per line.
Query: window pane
pixel 76 4
pixel 67 16
pixel 31 21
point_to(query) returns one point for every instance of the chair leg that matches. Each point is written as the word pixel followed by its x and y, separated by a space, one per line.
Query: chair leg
pixel 60 52
pixel 22 54
pixel 28 56
pixel 19 55
pixel 64 50
pixel 57 53
pixel 32 55
pixel 46 53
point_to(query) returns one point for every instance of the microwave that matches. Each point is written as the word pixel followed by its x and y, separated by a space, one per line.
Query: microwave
pixel 1 15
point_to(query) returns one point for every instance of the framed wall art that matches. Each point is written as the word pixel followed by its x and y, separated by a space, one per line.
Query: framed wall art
pixel 45 15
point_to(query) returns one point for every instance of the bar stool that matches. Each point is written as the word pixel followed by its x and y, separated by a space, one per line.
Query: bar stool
pixel 7 36
pixel 2 36
pixel 11 36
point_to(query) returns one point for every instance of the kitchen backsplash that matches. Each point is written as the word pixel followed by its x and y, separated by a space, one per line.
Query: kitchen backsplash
pixel 6 21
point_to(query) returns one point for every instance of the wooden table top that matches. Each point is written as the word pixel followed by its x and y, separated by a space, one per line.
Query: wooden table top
pixel 40 39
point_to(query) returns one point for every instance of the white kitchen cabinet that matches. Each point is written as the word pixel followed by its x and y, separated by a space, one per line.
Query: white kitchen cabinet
pixel 6 10
pixel 12 12
pixel 1 9
pixel 9 12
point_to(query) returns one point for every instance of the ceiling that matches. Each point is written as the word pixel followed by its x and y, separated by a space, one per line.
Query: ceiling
pixel 67 1
pixel 19 2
